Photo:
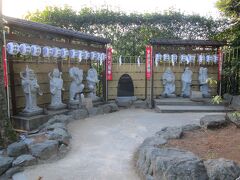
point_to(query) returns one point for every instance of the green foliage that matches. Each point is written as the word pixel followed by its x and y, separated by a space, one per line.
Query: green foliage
pixel 130 32
pixel 231 9
pixel 216 99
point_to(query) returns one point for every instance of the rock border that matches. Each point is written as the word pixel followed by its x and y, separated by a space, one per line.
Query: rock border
pixel 51 141
pixel 153 161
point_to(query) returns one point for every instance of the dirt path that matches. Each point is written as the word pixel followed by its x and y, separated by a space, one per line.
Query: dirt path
pixel 103 146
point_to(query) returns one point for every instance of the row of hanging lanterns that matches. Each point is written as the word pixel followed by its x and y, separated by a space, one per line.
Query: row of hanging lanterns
pixel 186 58
pixel 55 52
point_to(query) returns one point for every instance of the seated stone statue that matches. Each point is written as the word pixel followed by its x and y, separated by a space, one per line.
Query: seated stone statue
pixel 76 87
pixel 168 83
pixel 31 89
pixel 186 82
pixel 203 76
pixel 56 88
pixel 92 80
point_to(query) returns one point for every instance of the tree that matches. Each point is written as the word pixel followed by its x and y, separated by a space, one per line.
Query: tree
pixel 231 9
pixel 130 32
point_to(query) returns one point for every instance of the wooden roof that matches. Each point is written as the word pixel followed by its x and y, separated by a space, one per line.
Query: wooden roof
pixel 53 29
pixel 187 42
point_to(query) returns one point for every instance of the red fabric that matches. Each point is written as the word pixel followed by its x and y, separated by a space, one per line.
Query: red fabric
pixel 148 62
pixel 5 73
pixel 219 64
pixel 109 64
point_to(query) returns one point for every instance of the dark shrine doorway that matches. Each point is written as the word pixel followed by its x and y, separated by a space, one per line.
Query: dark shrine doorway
pixel 125 86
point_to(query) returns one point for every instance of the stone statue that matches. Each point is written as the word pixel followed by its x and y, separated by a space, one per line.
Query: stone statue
pixel 186 82
pixel 56 88
pixel 92 80
pixel 168 83
pixel 31 89
pixel 76 87
pixel 203 76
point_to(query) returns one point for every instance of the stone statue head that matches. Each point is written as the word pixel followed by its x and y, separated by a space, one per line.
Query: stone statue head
pixel 56 73
pixel 168 70
pixel 28 74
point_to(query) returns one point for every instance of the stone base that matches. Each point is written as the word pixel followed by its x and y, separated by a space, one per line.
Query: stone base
pixel 34 113
pixel 58 107
pixel 169 95
pixel 33 122
pixel 75 105
pixel 125 101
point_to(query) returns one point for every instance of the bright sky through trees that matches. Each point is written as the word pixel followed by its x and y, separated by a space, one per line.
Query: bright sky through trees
pixel 18 8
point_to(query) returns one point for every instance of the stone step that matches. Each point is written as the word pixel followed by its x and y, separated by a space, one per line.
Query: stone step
pixel 184 102
pixel 182 109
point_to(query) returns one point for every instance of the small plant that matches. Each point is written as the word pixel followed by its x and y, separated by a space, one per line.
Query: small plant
pixel 216 99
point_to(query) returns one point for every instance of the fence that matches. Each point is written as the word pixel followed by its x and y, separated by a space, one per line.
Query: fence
pixel 231 71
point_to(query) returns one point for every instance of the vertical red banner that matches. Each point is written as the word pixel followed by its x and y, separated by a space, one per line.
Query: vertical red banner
pixel 4 61
pixel 148 62
pixel 109 64
pixel 220 61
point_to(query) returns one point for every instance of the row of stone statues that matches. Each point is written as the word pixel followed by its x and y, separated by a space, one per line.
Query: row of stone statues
pixel 186 78
pixel 31 88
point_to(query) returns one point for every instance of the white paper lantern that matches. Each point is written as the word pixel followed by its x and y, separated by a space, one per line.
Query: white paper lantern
pixel 72 53
pixel 79 55
pixel 64 53
pixel 47 52
pixel 103 57
pixel 98 56
pixel 25 49
pixel 35 50
pixel 166 57
pixel 191 58
pixel 184 58
pixel 86 55
pixel 174 58
pixel 56 52
pixel 93 55
pixel 201 58
pixel 215 58
pixel 209 58
pixel 12 48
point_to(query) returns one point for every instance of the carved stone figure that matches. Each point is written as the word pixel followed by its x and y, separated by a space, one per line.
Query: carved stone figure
pixel 186 82
pixel 31 89
pixel 203 76
pixel 92 80
pixel 56 88
pixel 76 86
pixel 168 83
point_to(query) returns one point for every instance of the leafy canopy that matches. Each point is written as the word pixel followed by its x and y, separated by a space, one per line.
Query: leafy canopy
pixel 130 32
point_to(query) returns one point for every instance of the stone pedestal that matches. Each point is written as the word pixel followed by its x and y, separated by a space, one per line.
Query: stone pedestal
pixel 33 113
pixel 33 122
pixel 75 105
pixel 58 107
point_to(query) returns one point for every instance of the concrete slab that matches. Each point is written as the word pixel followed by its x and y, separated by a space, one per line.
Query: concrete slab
pixel 186 108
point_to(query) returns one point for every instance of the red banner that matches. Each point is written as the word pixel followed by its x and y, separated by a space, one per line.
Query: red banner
pixel 4 59
pixel 148 62
pixel 109 64
pixel 220 59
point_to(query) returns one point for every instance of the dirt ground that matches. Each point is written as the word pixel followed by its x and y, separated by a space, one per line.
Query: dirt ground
pixel 211 144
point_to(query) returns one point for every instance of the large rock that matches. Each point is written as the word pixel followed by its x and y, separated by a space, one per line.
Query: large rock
pixel 25 160
pixel 213 121
pixel 79 114
pixel 10 172
pixel 125 101
pixel 95 111
pixel 60 119
pixel 228 98
pixel 60 135
pixel 140 104
pixel 106 108
pixel 44 150
pixel 154 141
pixel 222 169
pixel 114 107
pixel 234 118
pixel 170 132
pixel 56 125
pixel 191 127
pixel 235 102
pixel 170 164
pixel 16 149
pixel 5 164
